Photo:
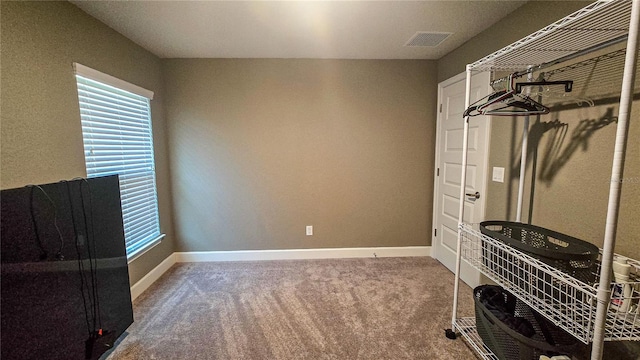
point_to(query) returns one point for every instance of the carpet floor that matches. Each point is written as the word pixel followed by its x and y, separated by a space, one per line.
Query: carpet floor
pixel 378 308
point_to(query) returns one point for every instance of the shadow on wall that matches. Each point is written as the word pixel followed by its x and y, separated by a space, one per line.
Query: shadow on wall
pixel 555 155
pixel 547 160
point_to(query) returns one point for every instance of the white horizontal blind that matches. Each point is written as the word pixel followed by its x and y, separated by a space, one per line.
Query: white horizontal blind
pixel 116 128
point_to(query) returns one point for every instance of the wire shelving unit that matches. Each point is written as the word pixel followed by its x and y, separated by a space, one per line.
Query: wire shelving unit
pixel 583 310
pixel 568 302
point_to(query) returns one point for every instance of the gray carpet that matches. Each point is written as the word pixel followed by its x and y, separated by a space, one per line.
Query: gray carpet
pixel 384 308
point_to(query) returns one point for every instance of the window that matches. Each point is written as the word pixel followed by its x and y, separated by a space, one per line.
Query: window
pixel 116 131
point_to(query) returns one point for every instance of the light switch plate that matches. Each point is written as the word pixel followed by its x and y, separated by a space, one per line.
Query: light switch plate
pixel 309 230
pixel 498 174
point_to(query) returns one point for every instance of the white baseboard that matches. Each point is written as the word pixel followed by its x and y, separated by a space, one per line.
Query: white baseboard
pixel 290 254
pixel 153 275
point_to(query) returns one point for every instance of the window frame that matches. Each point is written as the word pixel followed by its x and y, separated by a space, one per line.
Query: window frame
pixel 82 74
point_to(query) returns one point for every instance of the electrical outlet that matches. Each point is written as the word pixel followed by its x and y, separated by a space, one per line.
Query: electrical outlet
pixel 309 230
pixel 498 174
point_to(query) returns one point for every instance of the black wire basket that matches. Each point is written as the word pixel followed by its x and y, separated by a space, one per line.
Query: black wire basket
pixel 572 256
pixel 504 333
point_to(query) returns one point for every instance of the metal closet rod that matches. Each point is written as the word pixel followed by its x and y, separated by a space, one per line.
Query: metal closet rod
pixel 591 61
pixel 564 58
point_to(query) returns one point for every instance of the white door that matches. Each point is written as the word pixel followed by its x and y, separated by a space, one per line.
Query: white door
pixel 451 95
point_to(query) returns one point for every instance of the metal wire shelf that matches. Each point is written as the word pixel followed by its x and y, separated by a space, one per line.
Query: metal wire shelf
pixel 598 23
pixel 467 327
pixel 568 302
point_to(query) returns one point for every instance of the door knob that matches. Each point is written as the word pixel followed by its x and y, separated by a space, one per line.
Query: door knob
pixel 476 195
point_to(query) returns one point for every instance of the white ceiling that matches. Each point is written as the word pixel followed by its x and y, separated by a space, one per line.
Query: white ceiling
pixel 296 29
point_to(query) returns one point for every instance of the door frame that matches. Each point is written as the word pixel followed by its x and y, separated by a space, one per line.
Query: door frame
pixel 472 279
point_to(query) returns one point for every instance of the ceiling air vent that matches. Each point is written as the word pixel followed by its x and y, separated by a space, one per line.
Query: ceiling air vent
pixel 427 38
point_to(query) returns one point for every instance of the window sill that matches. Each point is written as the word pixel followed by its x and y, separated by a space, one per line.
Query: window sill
pixel 144 249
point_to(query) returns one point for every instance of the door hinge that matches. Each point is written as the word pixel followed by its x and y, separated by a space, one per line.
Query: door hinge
pixel 438 172
pixel 440 107
pixel 435 232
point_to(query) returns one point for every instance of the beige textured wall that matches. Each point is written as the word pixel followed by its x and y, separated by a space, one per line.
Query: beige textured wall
pixel 528 18
pixel 260 148
pixel 40 121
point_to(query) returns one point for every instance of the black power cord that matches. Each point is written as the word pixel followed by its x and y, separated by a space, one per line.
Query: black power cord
pixel 91 241
pixel 93 317
pixel 81 269
pixel 95 331
pixel 43 252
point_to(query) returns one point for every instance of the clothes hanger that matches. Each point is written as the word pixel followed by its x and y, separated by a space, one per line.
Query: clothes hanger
pixel 511 101
pixel 547 91
pixel 517 105
pixel 477 108
pixel 508 102
pixel 568 84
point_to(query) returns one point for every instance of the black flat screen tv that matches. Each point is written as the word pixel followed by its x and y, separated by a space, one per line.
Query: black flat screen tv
pixel 65 291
